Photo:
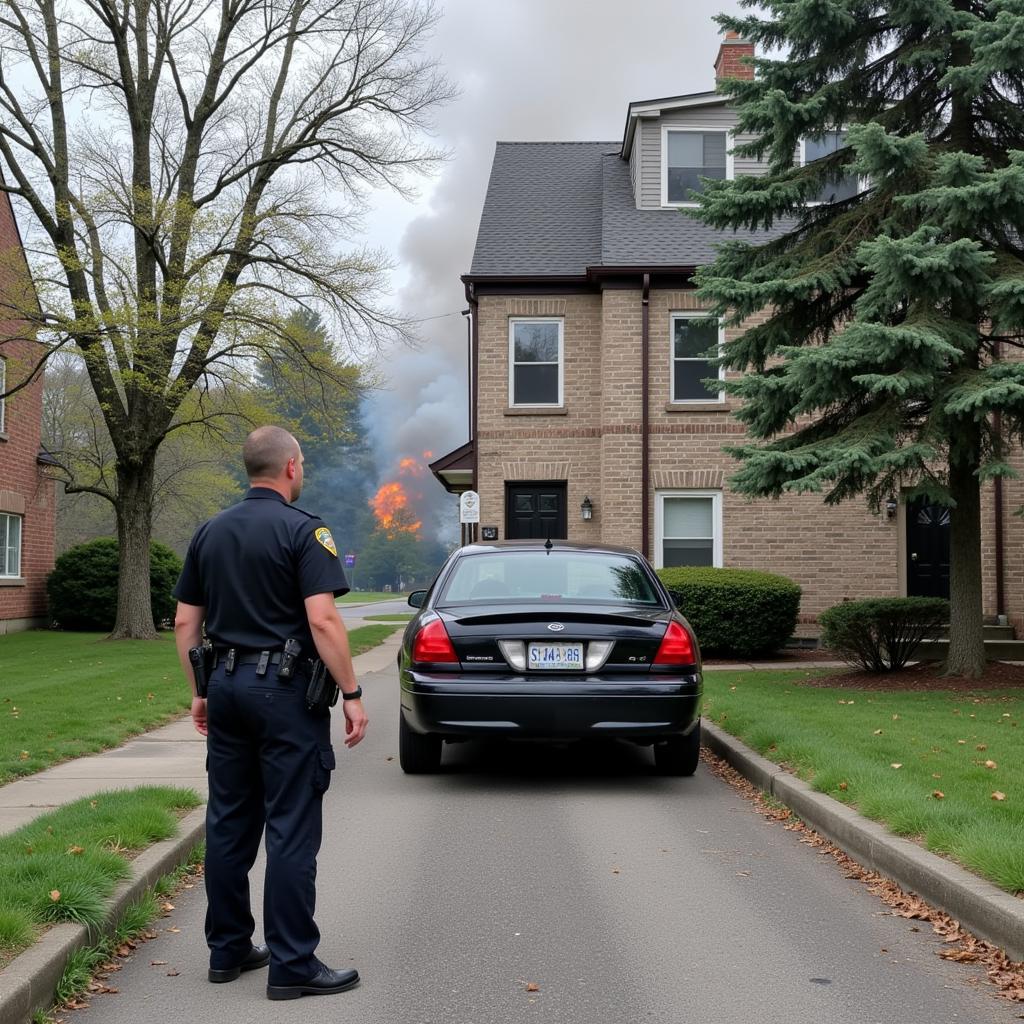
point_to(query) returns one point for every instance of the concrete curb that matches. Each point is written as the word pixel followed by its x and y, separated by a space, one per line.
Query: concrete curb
pixel 28 983
pixel 978 905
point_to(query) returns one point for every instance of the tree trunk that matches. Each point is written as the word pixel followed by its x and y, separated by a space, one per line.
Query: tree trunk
pixel 134 507
pixel 966 638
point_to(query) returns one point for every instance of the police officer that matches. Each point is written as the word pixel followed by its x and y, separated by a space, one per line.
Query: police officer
pixel 258 574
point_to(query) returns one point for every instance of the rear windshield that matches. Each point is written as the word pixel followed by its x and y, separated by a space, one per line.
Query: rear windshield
pixel 549 576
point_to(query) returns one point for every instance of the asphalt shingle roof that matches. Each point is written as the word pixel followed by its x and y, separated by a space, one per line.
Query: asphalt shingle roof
pixel 557 208
pixel 542 213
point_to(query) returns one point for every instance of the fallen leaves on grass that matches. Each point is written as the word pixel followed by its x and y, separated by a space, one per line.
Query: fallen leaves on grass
pixel 997 795
pixel 76 851
pixel 55 895
pixel 1005 974
pixel 991 765
pixel 896 764
pixel 938 794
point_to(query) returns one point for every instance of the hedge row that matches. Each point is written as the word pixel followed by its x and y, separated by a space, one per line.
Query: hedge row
pixel 735 612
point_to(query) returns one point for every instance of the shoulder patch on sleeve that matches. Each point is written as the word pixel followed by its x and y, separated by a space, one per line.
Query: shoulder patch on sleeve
pixel 323 536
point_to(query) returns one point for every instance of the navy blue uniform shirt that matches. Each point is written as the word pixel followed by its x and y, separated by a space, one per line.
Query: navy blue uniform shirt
pixel 252 566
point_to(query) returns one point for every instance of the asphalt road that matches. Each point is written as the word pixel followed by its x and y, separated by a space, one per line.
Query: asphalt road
pixel 355 615
pixel 623 896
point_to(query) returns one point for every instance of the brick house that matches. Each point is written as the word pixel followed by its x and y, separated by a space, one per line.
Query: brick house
pixel 27 505
pixel 591 418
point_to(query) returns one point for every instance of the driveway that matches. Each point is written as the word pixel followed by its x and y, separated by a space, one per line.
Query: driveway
pixel 624 897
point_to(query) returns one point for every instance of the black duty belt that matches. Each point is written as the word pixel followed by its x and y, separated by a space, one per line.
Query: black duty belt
pixel 235 656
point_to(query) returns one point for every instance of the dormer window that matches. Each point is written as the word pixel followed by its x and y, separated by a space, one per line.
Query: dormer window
pixel 838 187
pixel 689 154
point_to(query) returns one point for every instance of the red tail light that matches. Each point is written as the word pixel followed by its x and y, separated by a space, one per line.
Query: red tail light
pixel 676 647
pixel 432 644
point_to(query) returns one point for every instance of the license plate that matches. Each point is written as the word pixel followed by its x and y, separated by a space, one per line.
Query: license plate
pixel 556 656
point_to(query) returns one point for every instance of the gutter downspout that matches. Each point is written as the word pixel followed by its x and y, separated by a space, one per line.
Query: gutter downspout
pixel 997 429
pixel 474 402
pixel 645 353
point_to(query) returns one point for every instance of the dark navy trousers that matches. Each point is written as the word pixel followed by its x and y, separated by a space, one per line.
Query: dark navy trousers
pixel 269 764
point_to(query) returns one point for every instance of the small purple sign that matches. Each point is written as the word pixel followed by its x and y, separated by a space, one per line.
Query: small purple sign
pixel 350 561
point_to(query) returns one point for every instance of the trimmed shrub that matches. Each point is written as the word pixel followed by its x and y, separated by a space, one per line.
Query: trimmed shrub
pixel 83 585
pixel 735 612
pixel 882 634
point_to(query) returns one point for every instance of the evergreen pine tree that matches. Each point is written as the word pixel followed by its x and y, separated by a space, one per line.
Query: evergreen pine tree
pixel 890 356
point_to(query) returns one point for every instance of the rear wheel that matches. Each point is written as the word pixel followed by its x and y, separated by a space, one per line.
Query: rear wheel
pixel 417 754
pixel 678 755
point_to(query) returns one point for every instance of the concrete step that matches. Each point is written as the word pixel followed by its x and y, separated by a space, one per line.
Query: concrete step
pixel 995 650
pixel 990 632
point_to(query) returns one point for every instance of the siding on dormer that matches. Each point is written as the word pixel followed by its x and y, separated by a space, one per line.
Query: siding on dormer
pixel 647 185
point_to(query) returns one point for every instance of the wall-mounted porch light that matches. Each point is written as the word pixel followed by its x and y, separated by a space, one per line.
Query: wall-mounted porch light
pixel 891 504
pixel 587 509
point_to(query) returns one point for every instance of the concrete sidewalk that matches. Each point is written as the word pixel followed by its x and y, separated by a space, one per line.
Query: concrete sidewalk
pixel 172 755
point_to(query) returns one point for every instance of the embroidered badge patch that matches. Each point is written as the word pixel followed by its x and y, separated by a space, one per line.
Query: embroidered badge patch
pixel 323 535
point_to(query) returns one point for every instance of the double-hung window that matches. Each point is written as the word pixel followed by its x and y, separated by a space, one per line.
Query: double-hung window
pixel 10 545
pixel 696 343
pixel 839 186
pixel 688 528
pixel 689 154
pixel 535 361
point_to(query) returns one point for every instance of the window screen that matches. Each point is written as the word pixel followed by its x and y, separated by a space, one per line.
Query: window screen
pixel 692 156
pixel 838 187
pixel 536 349
pixel 10 545
pixel 694 345
pixel 688 531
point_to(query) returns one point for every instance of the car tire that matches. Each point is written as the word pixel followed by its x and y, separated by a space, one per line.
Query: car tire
pixel 678 755
pixel 417 754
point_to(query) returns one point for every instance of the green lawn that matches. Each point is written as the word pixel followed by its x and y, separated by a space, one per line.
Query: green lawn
pixel 63 866
pixel 388 618
pixel 67 694
pixel 365 638
pixel 930 766
pixel 367 596
pixel 63 695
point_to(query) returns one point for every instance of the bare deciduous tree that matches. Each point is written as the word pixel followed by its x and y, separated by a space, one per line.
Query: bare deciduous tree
pixel 193 170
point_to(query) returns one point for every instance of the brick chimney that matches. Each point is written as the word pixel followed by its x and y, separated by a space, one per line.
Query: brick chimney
pixel 730 63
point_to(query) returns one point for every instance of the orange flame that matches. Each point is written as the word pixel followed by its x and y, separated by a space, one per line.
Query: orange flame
pixel 393 503
pixel 388 504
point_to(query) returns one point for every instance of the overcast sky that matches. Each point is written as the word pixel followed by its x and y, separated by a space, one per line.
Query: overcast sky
pixel 527 70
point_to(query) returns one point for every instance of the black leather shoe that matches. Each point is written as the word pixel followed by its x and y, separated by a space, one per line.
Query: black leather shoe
pixel 259 956
pixel 323 983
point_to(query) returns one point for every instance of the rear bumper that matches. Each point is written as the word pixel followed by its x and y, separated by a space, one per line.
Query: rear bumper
pixel 456 706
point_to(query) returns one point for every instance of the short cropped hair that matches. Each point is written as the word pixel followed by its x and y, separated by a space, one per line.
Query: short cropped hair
pixel 266 452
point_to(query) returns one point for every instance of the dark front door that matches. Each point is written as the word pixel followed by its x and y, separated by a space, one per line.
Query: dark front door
pixel 535 511
pixel 927 550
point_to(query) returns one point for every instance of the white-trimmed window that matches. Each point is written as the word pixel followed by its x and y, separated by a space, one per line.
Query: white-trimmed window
pixel 838 187
pixel 695 344
pixel 10 545
pixel 688 528
pixel 689 154
pixel 3 388
pixel 535 361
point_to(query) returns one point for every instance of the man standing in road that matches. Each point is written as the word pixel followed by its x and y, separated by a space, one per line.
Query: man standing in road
pixel 263 576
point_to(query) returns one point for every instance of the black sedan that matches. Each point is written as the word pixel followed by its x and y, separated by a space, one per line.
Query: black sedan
pixel 554 640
